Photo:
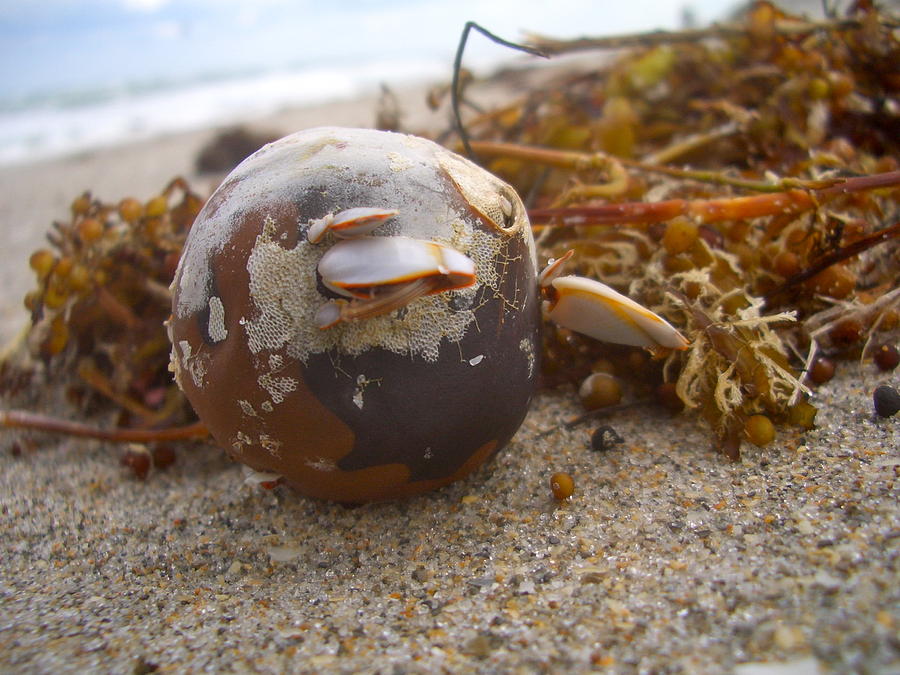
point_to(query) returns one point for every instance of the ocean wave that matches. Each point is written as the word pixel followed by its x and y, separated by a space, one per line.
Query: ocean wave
pixel 65 122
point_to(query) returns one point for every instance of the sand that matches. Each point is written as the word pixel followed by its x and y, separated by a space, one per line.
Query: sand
pixel 667 558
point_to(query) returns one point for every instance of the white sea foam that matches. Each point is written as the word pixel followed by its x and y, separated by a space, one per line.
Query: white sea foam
pixel 51 127
pixel 76 76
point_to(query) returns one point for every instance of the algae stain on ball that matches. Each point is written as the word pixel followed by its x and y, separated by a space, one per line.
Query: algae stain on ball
pixel 398 365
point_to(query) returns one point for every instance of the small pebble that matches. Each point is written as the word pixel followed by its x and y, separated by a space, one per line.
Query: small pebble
pixel 887 400
pixel 600 390
pixel 886 357
pixel 604 438
pixel 137 458
pixel 821 370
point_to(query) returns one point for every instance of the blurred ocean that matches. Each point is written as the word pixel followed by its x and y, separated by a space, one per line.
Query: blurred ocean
pixel 80 75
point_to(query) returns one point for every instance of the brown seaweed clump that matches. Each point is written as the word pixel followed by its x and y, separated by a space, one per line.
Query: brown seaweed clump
pixel 742 180
pixel 101 299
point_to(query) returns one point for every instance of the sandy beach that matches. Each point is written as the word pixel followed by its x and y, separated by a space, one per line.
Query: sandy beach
pixel 667 559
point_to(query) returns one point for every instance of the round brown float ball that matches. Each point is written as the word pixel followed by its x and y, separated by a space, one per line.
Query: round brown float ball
pixel 376 408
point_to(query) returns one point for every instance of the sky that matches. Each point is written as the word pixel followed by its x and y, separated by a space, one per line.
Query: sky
pixel 77 45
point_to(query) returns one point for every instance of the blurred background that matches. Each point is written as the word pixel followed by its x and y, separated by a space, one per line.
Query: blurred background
pixel 77 75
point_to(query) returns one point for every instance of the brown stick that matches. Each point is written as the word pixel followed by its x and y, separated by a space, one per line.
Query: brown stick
pixel 574 160
pixel 714 210
pixel 22 419
pixel 94 378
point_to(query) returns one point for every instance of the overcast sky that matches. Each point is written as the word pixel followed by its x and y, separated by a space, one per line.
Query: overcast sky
pixel 70 44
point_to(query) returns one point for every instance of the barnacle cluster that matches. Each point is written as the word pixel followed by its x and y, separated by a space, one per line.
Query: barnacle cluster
pixel 741 180
pixel 101 299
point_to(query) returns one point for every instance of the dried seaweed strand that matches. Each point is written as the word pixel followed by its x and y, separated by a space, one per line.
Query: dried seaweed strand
pixel 791 27
pixel 23 419
pixel 712 210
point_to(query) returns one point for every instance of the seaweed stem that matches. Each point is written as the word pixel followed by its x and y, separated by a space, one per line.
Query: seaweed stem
pixel 792 27
pixel 712 210
pixel 582 161
pixel 23 419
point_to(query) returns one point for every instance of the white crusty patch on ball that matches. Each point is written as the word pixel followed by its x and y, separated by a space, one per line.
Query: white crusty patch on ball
pixel 526 346
pixel 283 280
pixel 284 292
pixel 271 445
pixel 240 440
pixel 247 408
pixel 195 364
pixel 272 174
pixel 321 464
pixel 276 387
pixel 216 326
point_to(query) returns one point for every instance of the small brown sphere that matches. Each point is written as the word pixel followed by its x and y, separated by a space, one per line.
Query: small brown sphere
pixel 130 210
pixel 821 370
pixel 886 357
pixel 562 486
pixel 137 458
pixel 63 267
pixel 42 262
pixel 90 230
pixel 680 235
pixel 837 281
pixel 759 430
pixel 79 278
pixel 786 263
pixel 847 332
pixel 156 207
pixel 600 390
pixel 886 400
pixel 81 205
pixel 603 365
